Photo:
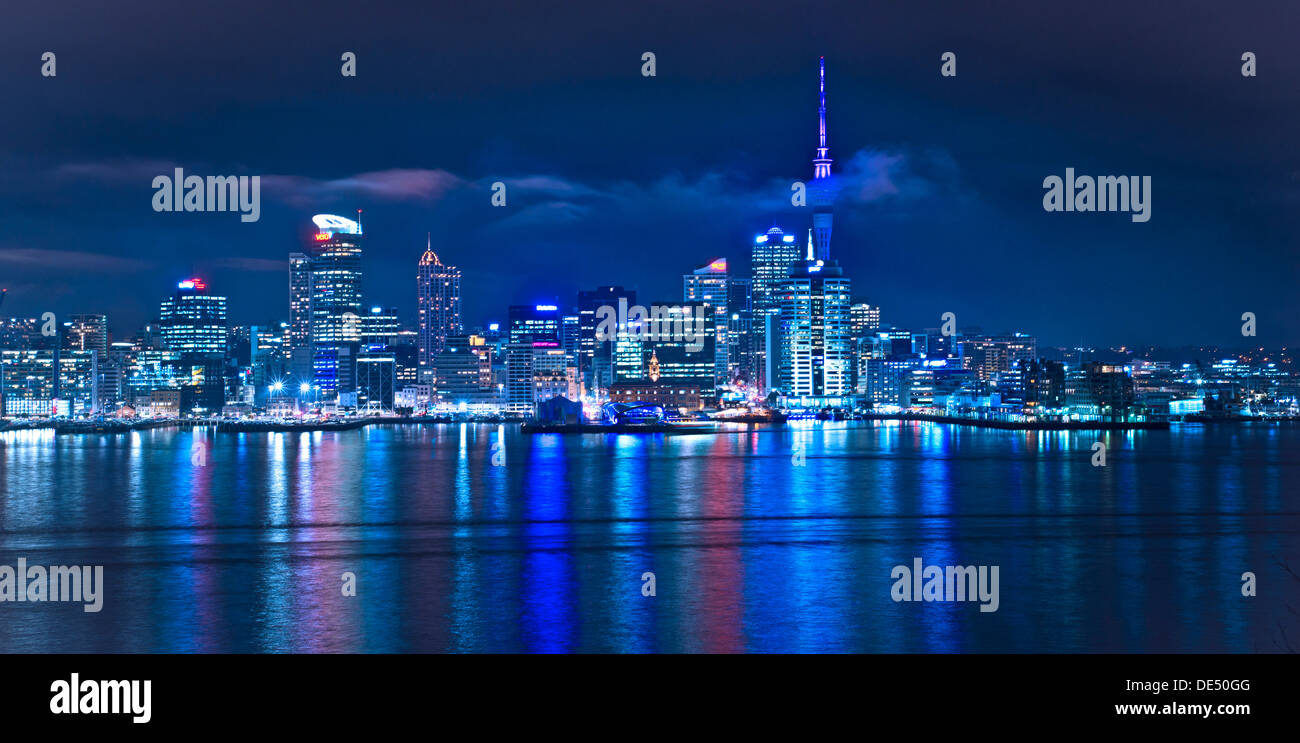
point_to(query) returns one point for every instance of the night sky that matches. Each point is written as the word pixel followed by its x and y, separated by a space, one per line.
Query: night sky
pixel 615 178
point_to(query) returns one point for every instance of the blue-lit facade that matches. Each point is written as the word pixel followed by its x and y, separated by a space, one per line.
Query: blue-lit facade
pixel 336 306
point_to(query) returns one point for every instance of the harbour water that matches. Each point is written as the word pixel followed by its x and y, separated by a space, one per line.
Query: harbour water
pixel 477 538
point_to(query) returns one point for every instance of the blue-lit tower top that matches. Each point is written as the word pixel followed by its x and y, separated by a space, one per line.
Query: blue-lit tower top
pixel 823 187
pixel 822 163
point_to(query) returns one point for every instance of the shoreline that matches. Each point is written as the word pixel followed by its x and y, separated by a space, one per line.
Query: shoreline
pixel 713 426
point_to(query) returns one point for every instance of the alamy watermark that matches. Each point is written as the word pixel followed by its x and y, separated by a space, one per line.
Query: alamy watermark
pixel 216 193
pixel 93 697
pixel 1107 193
pixel 946 583
pixel 84 583
pixel 660 323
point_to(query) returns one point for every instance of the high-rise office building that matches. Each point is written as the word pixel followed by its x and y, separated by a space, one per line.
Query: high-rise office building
pixel 193 327
pixel 709 284
pixel 84 332
pixel 519 377
pixel 380 326
pixel 554 374
pixel 46 382
pixel 335 304
pixel 770 259
pixel 740 331
pixel 816 345
pixel 193 321
pixel 571 335
pixel 20 333
pixel 438 293
pixel 684 358
pixel 376 378
pixel 595 356
pixel 267 359
pixel 628 351
pixel 864 320
pixel 299 350
pixel 463 371
pixel 533 330
pixel 987 355
pixel 534 324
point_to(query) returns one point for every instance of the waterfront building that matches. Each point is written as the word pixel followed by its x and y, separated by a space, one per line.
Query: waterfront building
pixel 671 395
pixel 49 382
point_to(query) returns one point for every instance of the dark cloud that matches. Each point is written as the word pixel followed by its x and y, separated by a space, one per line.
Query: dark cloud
pixel 617 178
pixel 35 261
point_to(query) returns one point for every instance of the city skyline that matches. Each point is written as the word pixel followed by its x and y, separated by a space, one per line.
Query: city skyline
pixel 941 212
pixel 681 328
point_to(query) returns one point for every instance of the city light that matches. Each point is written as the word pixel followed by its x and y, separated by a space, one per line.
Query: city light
pixel 329 223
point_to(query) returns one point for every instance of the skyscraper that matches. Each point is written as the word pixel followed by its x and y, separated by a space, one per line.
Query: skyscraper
pixel 193 328
pixel 463 371
pixel 299 350
pixel 438 293
pixel 380 326
pixel 193 321
pixel 595 359
pixel 864 319
pixel 87 333
pixel 740 330
pixel 770 259
pixel 709 284
pixel 335 303
pixel 816 343
pixel 534 324
pixel 534 331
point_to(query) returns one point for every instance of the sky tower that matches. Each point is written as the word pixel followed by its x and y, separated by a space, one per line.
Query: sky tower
pixel 823 187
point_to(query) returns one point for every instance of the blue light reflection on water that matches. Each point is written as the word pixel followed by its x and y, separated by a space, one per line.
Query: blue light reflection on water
pixel 761 540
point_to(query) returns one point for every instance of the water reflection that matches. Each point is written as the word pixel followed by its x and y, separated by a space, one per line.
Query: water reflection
pixel 479 538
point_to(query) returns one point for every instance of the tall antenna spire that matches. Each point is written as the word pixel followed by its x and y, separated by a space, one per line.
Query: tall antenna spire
pixel 810 245
pixel 822 109
pixel 822 163
pixel 823 188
